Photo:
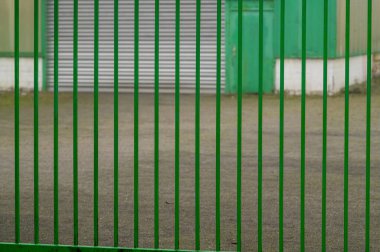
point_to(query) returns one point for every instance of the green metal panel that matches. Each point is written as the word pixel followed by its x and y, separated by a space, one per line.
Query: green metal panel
pixel 314 31
pixel 292 26
pixel 250 66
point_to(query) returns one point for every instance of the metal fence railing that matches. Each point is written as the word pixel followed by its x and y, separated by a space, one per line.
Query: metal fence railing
pixel 57 246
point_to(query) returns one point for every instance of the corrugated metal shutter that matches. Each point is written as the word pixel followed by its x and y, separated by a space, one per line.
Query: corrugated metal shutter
pixel 126 45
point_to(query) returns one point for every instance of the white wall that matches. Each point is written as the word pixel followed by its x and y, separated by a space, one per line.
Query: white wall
pixel 26 73
pixel 314 74
pixel 376 65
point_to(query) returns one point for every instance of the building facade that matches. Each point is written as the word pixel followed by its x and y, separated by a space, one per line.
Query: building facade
pixel 293 31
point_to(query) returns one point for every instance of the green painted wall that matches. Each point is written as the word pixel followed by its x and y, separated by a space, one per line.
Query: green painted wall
pixel 26 27
pixel 314 27
pixel 292 28
pixel 250 52
pixel 314 24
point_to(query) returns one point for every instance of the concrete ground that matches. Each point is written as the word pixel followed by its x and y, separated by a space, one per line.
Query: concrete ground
pixel 228 171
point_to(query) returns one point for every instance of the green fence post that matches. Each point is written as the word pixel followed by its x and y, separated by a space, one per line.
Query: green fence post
pixel 346 123
pixel 324 124
pixel 36 91
pixel 156 125
pixel 56 143
pixel 281 140
pixel 177 122
pixel 368 129
pixel 217 126
pixel 303 128
pixel 116 125
pixel 239 124
pixel 136 129
pixel 75 122
pixel 197 124
pixel 260 130
pixel 17 120
pixel 96 122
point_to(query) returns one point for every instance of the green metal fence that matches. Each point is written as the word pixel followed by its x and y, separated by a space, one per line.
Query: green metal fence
pixel 19 246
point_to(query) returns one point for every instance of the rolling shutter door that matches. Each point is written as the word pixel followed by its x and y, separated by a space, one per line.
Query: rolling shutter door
pixel 126 45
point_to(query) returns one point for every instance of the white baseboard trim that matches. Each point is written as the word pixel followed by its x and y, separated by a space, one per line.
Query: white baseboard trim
pixel 314 74
pixel 7 74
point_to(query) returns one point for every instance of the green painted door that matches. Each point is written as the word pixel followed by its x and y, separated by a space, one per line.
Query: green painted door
pixel 250 47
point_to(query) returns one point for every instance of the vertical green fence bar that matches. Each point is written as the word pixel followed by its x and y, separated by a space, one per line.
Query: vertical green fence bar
pixel 368 127
pixel 136 129
pixel 157 124
pixel 56 143
pixel 17 120
pixel 281 140
pixel 197 123
pixel 116 126
pixel 36 152
pixel 324 124
pixel 96 121
pixel 75 122
pixel 239 125
pixel 303 129
pixel 217 126
pixel 260 131
pixel 346 122
pixel 177 119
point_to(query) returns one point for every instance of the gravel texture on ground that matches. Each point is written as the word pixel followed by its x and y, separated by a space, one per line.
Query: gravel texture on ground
pixel 187 170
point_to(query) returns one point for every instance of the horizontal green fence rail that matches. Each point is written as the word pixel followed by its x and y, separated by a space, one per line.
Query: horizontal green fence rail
pixel 19 246
pixel 71 248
